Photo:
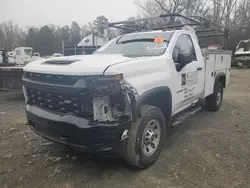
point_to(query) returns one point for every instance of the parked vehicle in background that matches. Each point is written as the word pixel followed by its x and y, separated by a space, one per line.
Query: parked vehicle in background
pixel 124 97
pixel 242 54
pixel 4 56
pixel 11 66
pixel 10 76
pixel 57 55
pixel 19 56
pixel 36 55
pixel 24 55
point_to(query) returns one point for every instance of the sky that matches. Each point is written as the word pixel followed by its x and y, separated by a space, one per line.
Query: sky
pixel 27 13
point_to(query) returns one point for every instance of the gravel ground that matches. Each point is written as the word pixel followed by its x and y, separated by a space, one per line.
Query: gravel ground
pixel 207 150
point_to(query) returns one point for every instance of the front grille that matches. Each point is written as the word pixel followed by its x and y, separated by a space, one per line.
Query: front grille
pixel 80 105
pixel 51 78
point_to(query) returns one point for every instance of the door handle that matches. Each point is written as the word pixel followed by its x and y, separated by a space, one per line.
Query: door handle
pixel 199 68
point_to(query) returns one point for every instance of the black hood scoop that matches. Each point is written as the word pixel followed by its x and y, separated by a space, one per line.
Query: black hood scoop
pixel 60 62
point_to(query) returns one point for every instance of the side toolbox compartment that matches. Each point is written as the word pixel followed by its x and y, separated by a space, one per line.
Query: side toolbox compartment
pixel 216 61
pixel 209 60
pixel 223 63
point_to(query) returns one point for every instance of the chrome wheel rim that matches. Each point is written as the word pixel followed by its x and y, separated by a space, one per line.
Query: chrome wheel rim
pixel 151 137
pixel 218 97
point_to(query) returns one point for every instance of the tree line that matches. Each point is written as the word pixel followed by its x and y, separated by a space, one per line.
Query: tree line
pixel 48 39
pixel 234 14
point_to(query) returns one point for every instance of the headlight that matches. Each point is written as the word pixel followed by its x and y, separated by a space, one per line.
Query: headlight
pixel 117 77
pixel 104 85
pixel 103 79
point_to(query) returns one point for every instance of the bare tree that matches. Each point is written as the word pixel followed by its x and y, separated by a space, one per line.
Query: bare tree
pixel 198 7
pixel 189 7
pixel 156 7
pixel 11 35
pixel 223 11
pixel 100 24
pixel 242 15
pixel 2 37
pixel 85 31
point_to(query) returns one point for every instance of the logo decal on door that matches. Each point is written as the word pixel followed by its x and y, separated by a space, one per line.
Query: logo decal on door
pixel 192 75
pixel 183 79
pixel 189 79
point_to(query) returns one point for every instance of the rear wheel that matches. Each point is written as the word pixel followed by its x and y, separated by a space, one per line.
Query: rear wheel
pixel 214 101
pixel 146 138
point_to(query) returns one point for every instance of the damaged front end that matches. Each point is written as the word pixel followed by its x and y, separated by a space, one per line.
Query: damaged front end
pixel 97 98
pixel 111 101
pixel 79 110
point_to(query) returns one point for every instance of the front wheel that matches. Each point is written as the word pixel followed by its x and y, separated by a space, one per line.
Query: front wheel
pixel 214 101
pixel 146 138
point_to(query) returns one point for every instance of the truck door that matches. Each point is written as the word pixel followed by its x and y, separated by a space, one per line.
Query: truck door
pixel 18 57
pixel 189 73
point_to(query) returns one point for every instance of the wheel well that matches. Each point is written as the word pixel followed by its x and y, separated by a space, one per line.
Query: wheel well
pixel 162 100
pixel 222 79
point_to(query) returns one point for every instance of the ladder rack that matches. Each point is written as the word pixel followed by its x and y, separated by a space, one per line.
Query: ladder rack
pixel 202 26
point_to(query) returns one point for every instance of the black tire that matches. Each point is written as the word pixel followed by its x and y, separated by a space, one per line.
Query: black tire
pixel 214 101
pixel 134 153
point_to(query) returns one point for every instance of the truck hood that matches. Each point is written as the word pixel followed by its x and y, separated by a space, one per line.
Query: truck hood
pixel 77 65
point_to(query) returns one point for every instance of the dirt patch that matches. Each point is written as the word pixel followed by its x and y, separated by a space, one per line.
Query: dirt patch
pixel 208 150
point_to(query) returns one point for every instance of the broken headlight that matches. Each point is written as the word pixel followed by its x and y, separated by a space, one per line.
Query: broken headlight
pixel 104 78
pixel 104 85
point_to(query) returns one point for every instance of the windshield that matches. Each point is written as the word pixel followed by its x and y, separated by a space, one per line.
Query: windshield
pixel 28 51
pixel 146 44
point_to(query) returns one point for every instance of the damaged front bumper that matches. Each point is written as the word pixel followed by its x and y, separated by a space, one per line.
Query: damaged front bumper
pixel 77 132
pixel 89 113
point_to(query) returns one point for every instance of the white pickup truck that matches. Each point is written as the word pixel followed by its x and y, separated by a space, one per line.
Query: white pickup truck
pixel 124 97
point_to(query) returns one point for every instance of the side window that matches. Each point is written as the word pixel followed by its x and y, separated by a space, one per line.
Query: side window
pixel 17 52
pixel 184 45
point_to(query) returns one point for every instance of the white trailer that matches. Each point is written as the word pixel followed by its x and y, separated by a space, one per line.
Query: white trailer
pixel 93 40
pixel 22 55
